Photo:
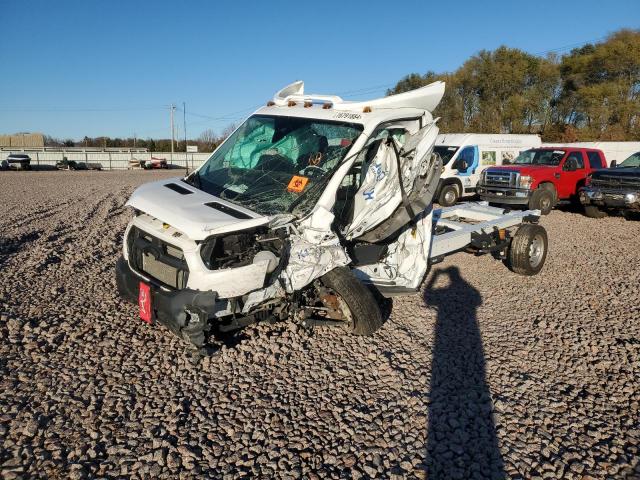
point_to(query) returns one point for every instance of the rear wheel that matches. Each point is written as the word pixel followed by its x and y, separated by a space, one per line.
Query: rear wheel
pixel 528 250
pixel 449 195
pixel 592 211
pixel 542 199
pixel 348 300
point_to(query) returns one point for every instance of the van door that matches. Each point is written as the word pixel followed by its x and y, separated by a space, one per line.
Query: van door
pixel 470 156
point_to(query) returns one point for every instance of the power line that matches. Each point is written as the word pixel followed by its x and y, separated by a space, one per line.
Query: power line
pixel 367 89
pixel 74 109
pixel 226 116
pixel 568 47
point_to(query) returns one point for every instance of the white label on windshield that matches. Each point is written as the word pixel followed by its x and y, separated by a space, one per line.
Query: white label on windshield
pixel 559 151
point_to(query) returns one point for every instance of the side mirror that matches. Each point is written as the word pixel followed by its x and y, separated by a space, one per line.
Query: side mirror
pixel 461 165
pixel 613 164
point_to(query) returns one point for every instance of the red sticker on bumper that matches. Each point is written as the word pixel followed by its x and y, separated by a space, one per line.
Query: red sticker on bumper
pixel 144 302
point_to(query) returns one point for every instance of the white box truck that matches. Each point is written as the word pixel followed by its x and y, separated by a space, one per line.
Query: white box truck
pixel 613 151
pixel 466 155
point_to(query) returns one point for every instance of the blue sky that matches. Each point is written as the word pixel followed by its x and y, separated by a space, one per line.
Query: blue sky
pixel 74 68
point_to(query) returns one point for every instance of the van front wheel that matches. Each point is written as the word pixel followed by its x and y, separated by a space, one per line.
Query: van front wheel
pixel 449 195
pixel 344 298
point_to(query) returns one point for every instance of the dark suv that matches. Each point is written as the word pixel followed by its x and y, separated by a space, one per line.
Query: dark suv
pixel 616 188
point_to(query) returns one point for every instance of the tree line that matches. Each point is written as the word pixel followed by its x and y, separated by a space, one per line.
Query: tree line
pixel 206 142
pixel 591 93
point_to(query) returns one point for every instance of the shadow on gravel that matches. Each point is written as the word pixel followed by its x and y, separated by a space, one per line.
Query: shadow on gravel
pixel 11 246
pixel 461 436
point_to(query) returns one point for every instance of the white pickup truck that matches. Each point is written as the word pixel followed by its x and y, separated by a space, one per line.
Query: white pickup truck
pixel 314 209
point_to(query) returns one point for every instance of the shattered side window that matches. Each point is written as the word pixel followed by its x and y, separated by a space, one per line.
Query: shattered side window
pixel 344 204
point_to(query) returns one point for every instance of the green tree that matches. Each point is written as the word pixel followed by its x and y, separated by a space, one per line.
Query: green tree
pixel 591 93
pixel 601 88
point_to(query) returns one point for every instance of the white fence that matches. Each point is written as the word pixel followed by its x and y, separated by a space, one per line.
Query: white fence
pixel 111 160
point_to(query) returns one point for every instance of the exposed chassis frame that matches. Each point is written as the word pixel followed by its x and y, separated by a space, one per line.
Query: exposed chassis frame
pixel 460 235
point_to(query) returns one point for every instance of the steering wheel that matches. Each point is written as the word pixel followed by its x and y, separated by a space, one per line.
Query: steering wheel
pixel 312 171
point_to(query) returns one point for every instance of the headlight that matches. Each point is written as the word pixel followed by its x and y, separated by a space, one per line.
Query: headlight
pixel 525 181
pixel 631 198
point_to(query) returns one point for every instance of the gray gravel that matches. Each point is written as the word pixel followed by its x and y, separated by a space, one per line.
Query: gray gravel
pixel 486 375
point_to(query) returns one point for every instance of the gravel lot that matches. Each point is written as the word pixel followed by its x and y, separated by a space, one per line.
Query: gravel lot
pixel 485 375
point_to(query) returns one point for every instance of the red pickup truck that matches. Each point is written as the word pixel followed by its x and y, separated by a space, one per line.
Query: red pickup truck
pixel 541 177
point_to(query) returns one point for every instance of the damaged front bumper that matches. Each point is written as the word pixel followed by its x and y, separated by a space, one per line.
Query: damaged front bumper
pixel 609 198
pixel 185 312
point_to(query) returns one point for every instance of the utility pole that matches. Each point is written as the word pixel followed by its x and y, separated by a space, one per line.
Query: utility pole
pixel 184 124
pixel 173 132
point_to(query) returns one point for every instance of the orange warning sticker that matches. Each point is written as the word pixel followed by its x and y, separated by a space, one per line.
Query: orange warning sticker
pixel 297 184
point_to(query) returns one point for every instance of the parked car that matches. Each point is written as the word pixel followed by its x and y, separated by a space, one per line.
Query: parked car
pixel 66 164
pixel 150 164
pixel 616 188
pixel 466 155
pixel 155 162
pixel 541 177
pixel 18 161
pixel 314 209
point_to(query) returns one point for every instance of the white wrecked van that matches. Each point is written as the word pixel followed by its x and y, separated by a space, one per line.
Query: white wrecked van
pixel 314 209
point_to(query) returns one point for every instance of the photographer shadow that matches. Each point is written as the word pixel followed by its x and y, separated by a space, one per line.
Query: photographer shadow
pixel 461 437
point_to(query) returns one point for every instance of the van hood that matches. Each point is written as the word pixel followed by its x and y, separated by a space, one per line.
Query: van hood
pixel 195 213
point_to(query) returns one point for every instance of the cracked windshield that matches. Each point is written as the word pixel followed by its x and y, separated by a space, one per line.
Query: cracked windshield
pixel 273 163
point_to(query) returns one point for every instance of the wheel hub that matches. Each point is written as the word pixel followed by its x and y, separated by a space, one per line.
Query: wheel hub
pixel 450 196
pixel 330 306
pixel 536 251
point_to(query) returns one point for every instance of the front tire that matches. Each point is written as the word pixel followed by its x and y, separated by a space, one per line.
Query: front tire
pixel 592 211
pixel 365 314
pixel 528 250
pixel 542 199
pixel 449 195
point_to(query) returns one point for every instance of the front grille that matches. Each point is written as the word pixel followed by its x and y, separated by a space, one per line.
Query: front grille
pixel 616 182
pixel 162 262
pixel 497 178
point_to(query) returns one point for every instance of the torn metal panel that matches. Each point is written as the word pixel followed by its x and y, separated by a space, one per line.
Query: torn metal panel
pixel 407 259
pixel 399 181
pixel 275 290
pixel 310 260
pixel 231 282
